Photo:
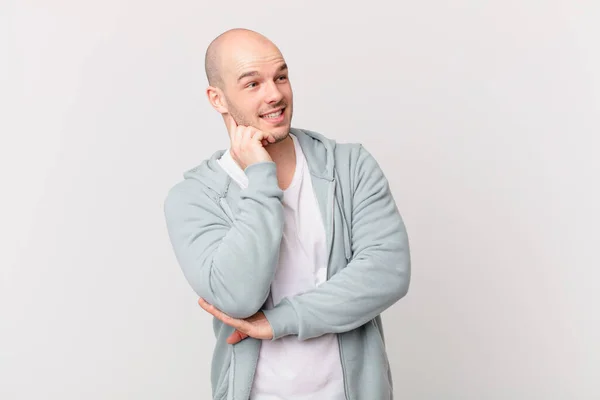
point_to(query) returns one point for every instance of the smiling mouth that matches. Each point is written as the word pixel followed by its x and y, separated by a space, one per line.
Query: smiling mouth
pixel 274 114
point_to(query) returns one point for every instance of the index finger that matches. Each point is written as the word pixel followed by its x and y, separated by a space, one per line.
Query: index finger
pixel 264 137
pixel 231 124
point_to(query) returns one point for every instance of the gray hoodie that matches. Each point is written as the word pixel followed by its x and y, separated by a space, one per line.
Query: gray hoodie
pixel 226 241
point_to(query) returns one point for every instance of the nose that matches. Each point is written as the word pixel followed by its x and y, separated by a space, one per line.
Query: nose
pixel 273 94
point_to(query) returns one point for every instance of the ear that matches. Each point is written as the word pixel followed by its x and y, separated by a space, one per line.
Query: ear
pixel 216 99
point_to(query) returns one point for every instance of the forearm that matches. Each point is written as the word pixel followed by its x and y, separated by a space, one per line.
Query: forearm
pixel 230 264
pixel 367 286
pixel 376 277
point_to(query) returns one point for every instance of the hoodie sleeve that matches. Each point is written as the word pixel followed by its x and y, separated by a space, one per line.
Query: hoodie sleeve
pixel 376 277
pixel 229 265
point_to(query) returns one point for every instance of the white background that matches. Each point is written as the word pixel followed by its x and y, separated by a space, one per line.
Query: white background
pixel 485 116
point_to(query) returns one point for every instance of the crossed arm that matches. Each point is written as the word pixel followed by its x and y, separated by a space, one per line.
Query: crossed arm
pixel 377 276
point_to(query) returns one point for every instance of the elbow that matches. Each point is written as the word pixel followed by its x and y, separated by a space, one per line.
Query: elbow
pixel 402 287
pixel 240 303
pixel 397 290
pixel 243 307
pixel 402 280
pixel 235 307
pixel 403 269
pixel 237 298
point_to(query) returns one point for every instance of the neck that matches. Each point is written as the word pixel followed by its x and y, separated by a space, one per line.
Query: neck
pixel 284 156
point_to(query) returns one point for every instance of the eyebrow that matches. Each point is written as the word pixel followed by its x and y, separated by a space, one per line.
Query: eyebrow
pixel 283 67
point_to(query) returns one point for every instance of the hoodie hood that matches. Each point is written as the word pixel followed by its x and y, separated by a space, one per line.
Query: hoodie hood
pixel 317 149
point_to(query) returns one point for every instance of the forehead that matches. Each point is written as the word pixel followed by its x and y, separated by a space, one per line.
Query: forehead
pixel 263 58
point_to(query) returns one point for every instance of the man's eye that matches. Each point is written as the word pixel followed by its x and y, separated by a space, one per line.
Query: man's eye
pixel 282 78
pixel 252 84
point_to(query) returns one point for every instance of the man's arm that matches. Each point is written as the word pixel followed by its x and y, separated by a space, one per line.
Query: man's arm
pixel 376 277
pixel 229 265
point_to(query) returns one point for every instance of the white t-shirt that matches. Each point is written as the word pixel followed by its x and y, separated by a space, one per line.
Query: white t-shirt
pixel 289 369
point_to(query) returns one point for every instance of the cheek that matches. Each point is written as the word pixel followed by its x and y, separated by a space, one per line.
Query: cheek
pixel 242 107
pixel 246 112
pixel 288 92
pixel 250 105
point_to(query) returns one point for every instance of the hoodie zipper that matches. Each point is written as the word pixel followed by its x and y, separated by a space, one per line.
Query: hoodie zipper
pixel 225 207
pixel 333 200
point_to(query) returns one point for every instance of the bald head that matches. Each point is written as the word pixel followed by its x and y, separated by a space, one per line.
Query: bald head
pixel 249 82
pixel 222 51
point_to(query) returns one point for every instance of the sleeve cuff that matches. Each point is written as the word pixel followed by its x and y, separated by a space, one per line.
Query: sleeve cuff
pixel 262 172
pixel 283 319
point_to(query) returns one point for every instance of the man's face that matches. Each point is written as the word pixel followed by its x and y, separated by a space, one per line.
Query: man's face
pixel 258 92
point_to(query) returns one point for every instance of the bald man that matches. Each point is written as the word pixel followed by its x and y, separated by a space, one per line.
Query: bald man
pixel 292 241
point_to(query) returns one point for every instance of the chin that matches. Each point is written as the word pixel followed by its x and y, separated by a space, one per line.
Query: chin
pixel 281 134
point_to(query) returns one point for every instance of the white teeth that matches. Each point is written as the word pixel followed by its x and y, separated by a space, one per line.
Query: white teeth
pixel 273 115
